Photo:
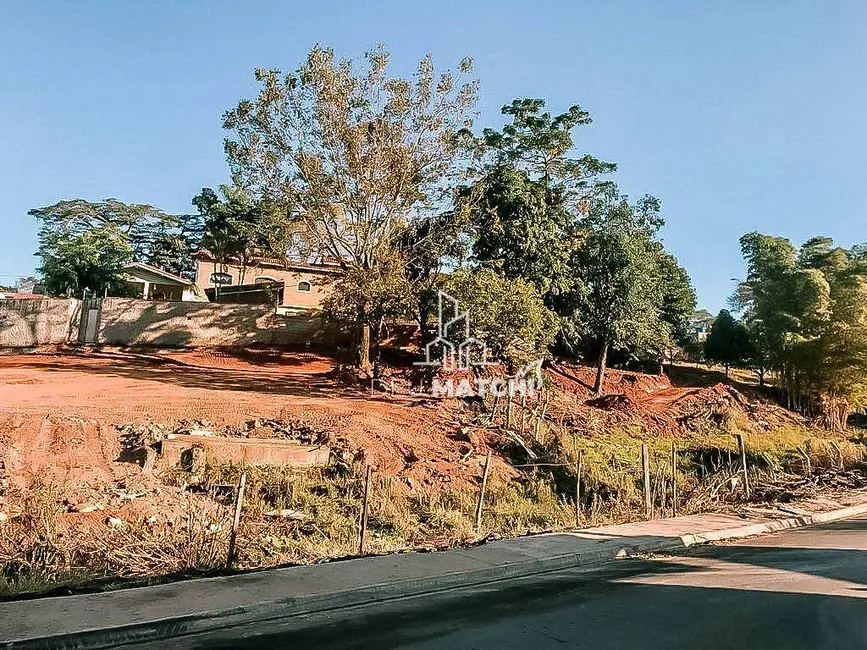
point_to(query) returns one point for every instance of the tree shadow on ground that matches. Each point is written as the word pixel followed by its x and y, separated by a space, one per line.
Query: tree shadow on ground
pixel 617 609
pixel 269 381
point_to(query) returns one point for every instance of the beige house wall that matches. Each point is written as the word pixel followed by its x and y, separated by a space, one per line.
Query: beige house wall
pixel 320 281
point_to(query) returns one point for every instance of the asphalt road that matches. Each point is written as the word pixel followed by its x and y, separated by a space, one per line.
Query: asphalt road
pixel 799 589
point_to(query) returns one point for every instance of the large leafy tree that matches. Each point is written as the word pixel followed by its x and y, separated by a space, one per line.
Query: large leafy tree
pixel 530 193
pixel 508 315
pixel 630 295
pixel 78 263
pixel 729 342
pixel 358 153
pixel 543 213
pixel 143 232
pixel 678 297
pixel 238 228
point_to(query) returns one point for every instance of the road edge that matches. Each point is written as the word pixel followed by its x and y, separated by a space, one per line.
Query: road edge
pixel 168 628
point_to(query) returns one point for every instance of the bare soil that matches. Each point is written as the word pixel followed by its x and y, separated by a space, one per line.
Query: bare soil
pixel 63 415
pixel 60 413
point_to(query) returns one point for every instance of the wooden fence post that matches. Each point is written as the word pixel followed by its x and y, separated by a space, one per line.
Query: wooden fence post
pixel 364 505
pixel 509 406
pixel 481 503
pixel 743 452
pixel 808 468
pixel 494 409
pixel 673 479
pixel 645 466
pixel 236 519
pixel 579 467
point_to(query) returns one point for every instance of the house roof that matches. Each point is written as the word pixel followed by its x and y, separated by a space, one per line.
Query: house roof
pixel 170 277
pixel 325 265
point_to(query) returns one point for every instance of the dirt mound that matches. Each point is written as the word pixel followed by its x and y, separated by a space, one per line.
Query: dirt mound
pixel 429 444
pixel 414 438
pixel 578 380
pixel 80 464
pixel 672 410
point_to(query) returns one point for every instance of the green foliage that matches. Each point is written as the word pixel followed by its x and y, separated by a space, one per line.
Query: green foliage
pixel 427 246
pixel 523 230
pixel 77 262
pixel 237 227
pixel 540 214
pixel 508 315
pixel 678 297
pixel 630 294
pixel 373 296
pixel 526 201
pixel 807 312
pixel 728 342
pixel 152 236
pixel 538 143
pixel 358 153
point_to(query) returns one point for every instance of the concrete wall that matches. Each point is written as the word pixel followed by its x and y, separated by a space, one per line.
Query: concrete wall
pixel 26 323
pixel 126 321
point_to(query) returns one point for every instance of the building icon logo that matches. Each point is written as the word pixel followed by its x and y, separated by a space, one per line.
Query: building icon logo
pixel 454 347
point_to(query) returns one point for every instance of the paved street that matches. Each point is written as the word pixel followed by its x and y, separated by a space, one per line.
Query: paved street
pixel 799 589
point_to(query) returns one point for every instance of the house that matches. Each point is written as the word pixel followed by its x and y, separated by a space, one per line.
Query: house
pixel 293 286
pixel 152 283
pixel 700 324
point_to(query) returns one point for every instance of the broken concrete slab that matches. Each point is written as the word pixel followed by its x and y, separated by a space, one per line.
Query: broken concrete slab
pixel 180 448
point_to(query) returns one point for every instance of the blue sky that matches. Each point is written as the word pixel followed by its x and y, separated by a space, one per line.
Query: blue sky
pixel 739 115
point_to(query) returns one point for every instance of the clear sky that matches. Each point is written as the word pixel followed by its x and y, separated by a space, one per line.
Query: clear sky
pixel 739 115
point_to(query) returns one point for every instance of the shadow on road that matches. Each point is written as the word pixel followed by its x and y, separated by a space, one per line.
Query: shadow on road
pixel 666 603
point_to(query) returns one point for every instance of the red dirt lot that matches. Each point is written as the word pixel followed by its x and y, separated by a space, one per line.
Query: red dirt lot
pixel 59 411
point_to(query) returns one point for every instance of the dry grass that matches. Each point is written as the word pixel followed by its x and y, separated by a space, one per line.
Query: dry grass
pixel 292 516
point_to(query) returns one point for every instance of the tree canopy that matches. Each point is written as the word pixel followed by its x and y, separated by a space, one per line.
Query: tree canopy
pixel 84 244
pixel 358 154
pixel 630 295
pixel 729 342
pixel 542 214
pixel 508 315
pixel 807 312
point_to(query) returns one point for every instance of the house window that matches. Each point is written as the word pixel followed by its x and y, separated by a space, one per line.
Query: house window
pixel 221 278
pixel 304 286
pixel 264 279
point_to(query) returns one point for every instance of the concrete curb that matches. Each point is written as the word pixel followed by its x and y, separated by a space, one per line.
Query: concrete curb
pixel 168 628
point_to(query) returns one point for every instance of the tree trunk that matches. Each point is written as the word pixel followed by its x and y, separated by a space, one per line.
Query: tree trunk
pixel 600 367
pixel 377 338
pixel 364 347
pixel 727 370
pixel 423 313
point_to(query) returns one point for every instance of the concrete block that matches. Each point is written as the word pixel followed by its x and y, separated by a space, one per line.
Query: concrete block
pixel 178 448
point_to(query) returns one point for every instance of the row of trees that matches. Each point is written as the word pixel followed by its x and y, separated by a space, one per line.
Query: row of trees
pixel 805 320
pixel 387 175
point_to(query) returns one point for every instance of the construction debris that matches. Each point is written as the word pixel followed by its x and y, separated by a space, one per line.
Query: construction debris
pixel 194 452
pixel 285 513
